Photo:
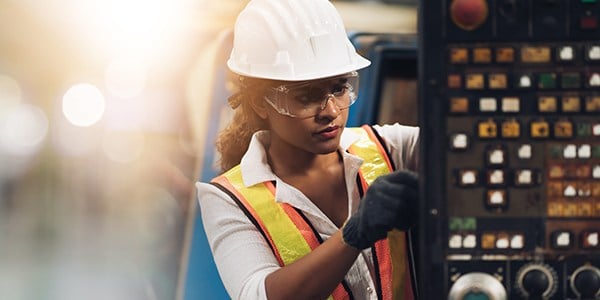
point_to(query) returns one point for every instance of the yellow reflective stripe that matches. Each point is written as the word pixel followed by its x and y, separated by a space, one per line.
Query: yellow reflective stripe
pixel 288 240
pixel 374 164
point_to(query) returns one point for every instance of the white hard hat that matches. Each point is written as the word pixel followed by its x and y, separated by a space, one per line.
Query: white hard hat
pixel 292 40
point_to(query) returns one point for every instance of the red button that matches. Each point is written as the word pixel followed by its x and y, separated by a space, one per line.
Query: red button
pixel 468 14
pixel 588 22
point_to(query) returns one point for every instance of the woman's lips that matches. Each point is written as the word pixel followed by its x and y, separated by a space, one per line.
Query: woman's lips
pixel 329 132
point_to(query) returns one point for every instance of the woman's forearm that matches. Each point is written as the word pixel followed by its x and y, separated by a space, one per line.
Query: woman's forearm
pixel 315 275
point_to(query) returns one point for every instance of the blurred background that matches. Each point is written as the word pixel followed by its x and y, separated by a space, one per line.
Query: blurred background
pixel 106 119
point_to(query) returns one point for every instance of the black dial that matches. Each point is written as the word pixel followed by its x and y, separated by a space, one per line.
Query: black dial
pixel 536 281
pixel 585 282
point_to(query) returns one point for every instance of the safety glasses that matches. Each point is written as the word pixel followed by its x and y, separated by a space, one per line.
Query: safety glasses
pixel 308 98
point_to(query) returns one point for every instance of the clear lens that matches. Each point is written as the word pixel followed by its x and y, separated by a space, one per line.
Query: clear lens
pixel 308 98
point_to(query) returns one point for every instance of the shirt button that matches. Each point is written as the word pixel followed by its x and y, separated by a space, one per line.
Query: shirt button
pixel 369 290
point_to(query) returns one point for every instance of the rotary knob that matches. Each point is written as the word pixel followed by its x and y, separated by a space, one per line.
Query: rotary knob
pixel 477 285
pixel 585 282
pixel 468 14
pixel 536 281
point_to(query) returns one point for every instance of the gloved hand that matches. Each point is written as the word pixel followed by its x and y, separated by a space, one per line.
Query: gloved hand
pixel 391 202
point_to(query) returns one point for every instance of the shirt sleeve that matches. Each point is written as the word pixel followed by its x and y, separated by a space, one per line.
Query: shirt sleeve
pixel 402 142
pixel 242 256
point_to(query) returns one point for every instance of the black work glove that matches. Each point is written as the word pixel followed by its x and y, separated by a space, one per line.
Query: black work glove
pixel 391 202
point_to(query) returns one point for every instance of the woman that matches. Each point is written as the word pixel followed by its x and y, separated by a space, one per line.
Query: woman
pixel 307 209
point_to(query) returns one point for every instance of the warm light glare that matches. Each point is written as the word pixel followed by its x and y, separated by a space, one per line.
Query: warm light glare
pixel 22 130
pixel 83 105
pixel 123 147
pixel 125 77
pixel 10 93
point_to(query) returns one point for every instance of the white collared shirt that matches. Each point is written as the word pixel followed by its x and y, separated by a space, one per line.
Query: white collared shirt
pixel 244 258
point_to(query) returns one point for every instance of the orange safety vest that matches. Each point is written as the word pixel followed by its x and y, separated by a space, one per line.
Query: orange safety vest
pixel 291 236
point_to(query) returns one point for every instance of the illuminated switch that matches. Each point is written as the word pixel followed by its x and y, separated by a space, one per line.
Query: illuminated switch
pixel 496 199
pixel 536 54
pixel 566 53
pixel 524 151
pixel 596 151
pixel 562 239
pixel 488 241
pixel 571 104
pixel 497 81
pixel 517 241
pixel 588 22
pixel 539 129
pixel 556 172
pixel 495 177
pixel 555 189
pixel 593 52
pixel 596 194
pixel 589 239
pixel 570 80
pixel 571 171
pixel 570 210
pixel 524 81
pixel 594 80
pixel 525 177
pixel 556 151
pixel 596 172
pixel 584 189
pixel 496 156
pixel 554 209
pixel 570 151
pixel 455 241
pixel 459 141
pixel 547 104
pixel 585 209
pixel 584 129
pixel 584 151
pixel 505 55
pixel 487 129
pixel 592 104
pixel 470 241
pixel 583 171
pixel 511 104
pixel 570 190
pixel 459 105
pixel 487 104
pixel 459 55
pixel 547 81
pixel 482 55
pixel 454 81
pixel 475 81
pixel 503 241
pixel 511 129
pixel 563 129
pixel 468 178
pixel 596 129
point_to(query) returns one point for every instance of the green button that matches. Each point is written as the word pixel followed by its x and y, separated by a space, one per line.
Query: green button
pixel 460 224
pixel 589 1
pixel 570 81
pixel 476 296
pixel 547 81
pixel 596 151
pixel 556 151
pixel 584 129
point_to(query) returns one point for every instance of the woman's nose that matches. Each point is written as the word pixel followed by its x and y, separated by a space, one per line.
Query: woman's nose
pixel 329 107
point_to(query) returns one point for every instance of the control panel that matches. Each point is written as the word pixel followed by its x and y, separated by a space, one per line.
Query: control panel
pixel 509 109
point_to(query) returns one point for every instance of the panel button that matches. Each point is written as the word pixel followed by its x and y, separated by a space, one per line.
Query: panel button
pixel 467 178
pixel 584 129
pixel 475 82
pixel 571 104
pixel 525 178
pixel 487 104
pixel 547 81
pixel 454 81
pixel 502 241
pixel 505 55
pixel 596 172
pixel 589 239
pixel 470 241
pixel 584 151
pixel 566 53
pixel 459 141
pixel 459 55
pixel 495 156
pixel 517 241
pixel 570 151
pixel 511 104
pixel 524 81
pixel 511 129
pixel 524 151
pixel 487 129
pixel 556 172
pixel 536 54
pixel 496 199
pixel 593 80
pixel 488 240
pixel 482 55
pixel 563 129
pixel 539 129
pixel 459 105
pixel 497 81
pixel 455 241
pixel 571 80
pixel 592 104
pixel 547 104
pixel 495 177
pixel 588 22
pixel 562 239
pixel 593 53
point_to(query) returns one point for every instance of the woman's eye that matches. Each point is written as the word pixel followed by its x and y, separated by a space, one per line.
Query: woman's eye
pixel 339 90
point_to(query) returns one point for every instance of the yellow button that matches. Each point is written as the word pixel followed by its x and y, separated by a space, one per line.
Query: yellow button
pixel 497 81
pixel 536 54
pixel 511 129
pixel 592 104
pixel 540 129
pixel 547 104
pixel 571 104
pixel 482 55
pixel 459 105
pixel 454 81
pixel 488 241
pixel 505 55
pixel 555 189
pixel 585 209
pixel 487 129
pixel 555 209
pixel 563 129
pixel 459 55
pixel 475 81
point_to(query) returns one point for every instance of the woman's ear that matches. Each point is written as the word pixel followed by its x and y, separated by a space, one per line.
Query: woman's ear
pixel 260 107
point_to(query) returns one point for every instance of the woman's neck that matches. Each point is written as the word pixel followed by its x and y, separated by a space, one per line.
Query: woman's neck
pixel 291 161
